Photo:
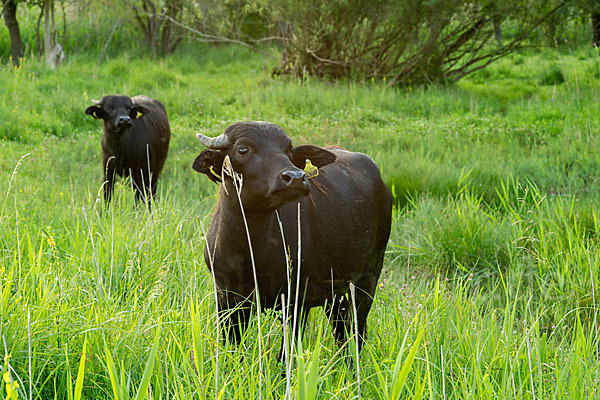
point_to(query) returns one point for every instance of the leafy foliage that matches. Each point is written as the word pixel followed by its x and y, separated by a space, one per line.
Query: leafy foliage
pixel 404 42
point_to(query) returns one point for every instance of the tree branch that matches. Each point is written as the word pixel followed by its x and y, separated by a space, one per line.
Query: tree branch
pixel 5 3
pixel 208 38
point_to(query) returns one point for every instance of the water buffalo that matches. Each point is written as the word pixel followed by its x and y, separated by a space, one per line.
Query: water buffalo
pixel 135 141
pixel 345 214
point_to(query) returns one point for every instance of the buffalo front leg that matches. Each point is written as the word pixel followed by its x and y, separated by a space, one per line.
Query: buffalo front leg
pixel 234 318
pixel 153 190
pixel 293 326
pixel 109 178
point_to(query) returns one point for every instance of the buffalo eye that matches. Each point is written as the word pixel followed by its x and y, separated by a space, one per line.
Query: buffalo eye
pixel 242 150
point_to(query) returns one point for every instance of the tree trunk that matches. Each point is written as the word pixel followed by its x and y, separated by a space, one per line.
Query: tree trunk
pixel 38 45
pixel 64 17
pixel 47 32
pixel 52 25
pixel 158 29
pixel 54 53
pixel 10 18
pixel 596 27
pixel 498 31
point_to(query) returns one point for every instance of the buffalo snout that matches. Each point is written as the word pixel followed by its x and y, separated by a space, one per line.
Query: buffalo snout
pixel 293 179
pixel 123 120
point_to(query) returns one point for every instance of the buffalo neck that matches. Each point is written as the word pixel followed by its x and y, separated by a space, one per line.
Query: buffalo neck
pixel 232 229
pixel 113 138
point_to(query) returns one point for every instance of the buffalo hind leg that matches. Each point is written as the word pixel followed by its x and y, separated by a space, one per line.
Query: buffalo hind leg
pixel 340 319
pixel 341 322
pixel 342 314
pixel 142 188
pixel 364 292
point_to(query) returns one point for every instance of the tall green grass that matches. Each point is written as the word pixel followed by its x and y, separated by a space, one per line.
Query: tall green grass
pixel 489 286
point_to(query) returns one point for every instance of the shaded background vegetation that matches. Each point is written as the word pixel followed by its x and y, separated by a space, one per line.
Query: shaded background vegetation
pixel 402 42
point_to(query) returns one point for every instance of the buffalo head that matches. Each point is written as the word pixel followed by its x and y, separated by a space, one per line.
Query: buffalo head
pixel 117 111
pixel 272 169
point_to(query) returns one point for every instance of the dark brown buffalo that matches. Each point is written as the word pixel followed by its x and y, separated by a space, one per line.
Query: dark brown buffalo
pixel 135 141
pixel 345 224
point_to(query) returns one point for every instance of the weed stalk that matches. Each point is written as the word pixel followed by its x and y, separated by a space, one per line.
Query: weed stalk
pixel 238 182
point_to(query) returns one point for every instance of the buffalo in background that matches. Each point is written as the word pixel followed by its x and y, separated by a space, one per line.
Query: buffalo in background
pixel 135 141
pixel 345 215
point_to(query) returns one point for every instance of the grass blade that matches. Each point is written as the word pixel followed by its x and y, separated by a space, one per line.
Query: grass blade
pixel 112 373
pixel 399 379
pixel 80 373
pixel 301 372
pixel 143 388
pixel 313 372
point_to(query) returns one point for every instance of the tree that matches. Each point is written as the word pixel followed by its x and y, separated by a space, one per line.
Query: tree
pixel 404 42
pixel 160 23
pixel 593 7
pixel 52 49
pixel 581 10
pixel 242 22
pixel 10 19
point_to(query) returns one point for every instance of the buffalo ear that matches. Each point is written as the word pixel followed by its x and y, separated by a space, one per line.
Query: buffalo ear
pixel 95 111
pixel 319 157
pixel 138 111
pixel 210 163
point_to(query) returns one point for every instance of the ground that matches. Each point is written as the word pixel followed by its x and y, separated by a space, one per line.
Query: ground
pixel 491 269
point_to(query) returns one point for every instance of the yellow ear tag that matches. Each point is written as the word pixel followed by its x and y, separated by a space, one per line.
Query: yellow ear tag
pixel 310 171
pixel 212 171
pixel 138 115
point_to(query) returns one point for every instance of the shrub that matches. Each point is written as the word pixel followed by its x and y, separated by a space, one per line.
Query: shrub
pixel 552 76
pixel 402 42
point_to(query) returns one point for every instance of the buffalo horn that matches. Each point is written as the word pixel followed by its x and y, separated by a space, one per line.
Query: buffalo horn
pixel 216 143
pixel 96 102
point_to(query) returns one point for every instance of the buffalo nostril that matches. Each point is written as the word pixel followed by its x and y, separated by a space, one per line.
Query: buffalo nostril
pixel 292 176
pixel 124 120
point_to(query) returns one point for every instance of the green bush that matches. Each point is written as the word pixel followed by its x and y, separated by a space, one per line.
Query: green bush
pixel 404 43
pixel 552 76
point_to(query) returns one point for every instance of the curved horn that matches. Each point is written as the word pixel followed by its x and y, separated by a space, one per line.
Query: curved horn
pixel 216 143
pixel 96 101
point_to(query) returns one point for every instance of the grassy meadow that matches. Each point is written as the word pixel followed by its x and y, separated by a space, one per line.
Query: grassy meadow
pixel 489 288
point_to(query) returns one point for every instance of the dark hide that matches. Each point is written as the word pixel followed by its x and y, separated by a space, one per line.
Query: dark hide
pixel 135 141
pixel 345 217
